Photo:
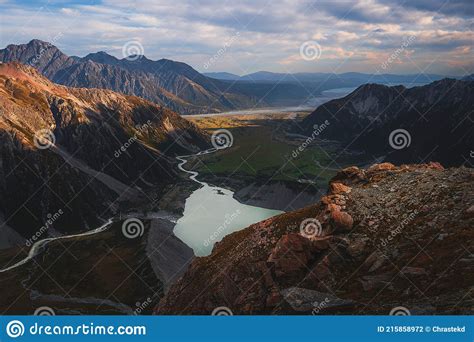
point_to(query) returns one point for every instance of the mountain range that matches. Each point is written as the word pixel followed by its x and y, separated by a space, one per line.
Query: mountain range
pixel 181 88
pixel 297 89
pixel 172 84
pixel 348 78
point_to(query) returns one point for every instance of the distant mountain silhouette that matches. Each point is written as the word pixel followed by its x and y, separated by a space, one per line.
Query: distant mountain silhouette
pixel 222 75
pixel 348 78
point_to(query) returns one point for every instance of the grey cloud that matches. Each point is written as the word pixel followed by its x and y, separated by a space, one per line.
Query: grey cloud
pixel 462 8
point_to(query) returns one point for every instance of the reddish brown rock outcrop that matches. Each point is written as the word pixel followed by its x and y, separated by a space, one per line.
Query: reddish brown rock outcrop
pixel 339 188
pixel 402 236
pixel 341 221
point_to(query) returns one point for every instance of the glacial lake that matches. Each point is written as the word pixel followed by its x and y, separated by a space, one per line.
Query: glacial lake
pixel 211 213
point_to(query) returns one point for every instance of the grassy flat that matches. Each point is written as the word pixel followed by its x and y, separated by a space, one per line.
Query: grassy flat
pixel 260 149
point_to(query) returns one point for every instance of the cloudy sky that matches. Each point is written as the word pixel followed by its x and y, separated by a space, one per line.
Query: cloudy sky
pixel 394 36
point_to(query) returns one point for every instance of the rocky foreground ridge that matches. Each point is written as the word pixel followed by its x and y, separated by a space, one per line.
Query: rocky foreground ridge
pixel 382 238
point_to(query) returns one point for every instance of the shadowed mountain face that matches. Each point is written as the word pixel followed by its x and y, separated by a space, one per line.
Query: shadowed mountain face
pixel 381 238
pixel 172 84
pixel 468 77
pixel 80 152
pixel 437 119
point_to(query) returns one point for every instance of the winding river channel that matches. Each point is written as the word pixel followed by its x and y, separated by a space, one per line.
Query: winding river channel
pixel 39 246
pixel 210 213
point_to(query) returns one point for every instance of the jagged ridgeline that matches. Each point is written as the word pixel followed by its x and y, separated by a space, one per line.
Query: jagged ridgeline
pixel 173 84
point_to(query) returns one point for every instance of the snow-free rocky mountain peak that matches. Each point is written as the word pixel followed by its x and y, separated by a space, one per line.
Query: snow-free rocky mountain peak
pixel 172 84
